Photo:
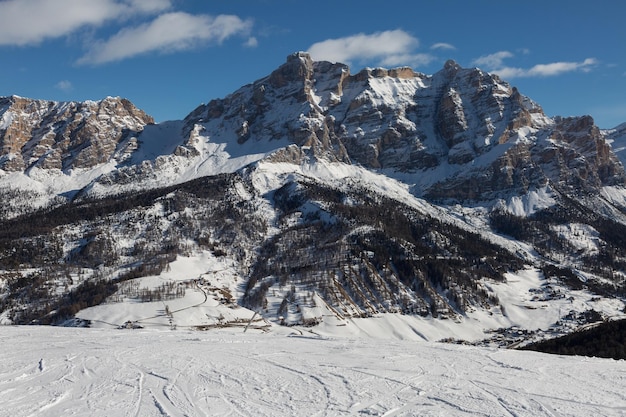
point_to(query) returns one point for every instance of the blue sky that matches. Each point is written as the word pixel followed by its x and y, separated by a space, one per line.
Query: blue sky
pixel 168 56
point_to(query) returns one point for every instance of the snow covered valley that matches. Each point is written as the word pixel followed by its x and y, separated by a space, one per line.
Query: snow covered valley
pixel 52 371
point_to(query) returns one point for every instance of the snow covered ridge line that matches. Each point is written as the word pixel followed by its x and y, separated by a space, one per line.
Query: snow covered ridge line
pixel 52 371
pixel 458 135
pixel 322 197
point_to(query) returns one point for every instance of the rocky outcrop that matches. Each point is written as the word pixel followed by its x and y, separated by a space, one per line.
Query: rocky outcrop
pixel 494 139
pixel 616 137
pixel 573 156
pixel 298 68
pixel 584 158
pixel 54 135
pixel 459 134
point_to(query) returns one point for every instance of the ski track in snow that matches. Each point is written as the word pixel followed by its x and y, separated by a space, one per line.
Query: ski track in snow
pixel 59 371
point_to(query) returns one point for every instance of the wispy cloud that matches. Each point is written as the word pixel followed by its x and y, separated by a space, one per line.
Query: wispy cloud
pixel 392 47
pixel 443 45
pixel 252 42
pixel 492 61
pixel 548 70
pixel 495 63
pixel 29 22
pixel 414 60
pixel 169 32
pixel 64 85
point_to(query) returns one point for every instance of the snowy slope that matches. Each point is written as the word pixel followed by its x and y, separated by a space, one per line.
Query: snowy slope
pixel 52 371
pixel 527 299
pixel 212 286
pixel 617 138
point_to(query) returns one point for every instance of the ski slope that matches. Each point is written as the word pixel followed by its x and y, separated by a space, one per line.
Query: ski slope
pixel 48 371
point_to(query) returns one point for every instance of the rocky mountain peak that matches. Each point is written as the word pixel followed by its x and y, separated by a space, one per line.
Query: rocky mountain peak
pixel 64 135
pixel 298 68
pixel 459 134
pixel 451 66
pixel 448 130
pixel 385 190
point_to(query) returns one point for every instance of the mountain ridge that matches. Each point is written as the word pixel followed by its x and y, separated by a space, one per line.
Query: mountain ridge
pixel 428 130
pixel 327 194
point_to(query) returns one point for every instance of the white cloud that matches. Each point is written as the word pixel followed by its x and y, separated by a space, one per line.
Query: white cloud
pixel 64 85
pixel 167 33
pixel 492 61
pixel 380 46
pixel 556 68
pixel 252 42
pixel 495 63
pixel 29 22
pixel 149 6
pixel 413 60
pixel 547 70
pixel 443 45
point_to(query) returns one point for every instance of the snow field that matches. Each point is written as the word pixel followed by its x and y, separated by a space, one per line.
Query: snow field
pixel 210 291
pixel 47 371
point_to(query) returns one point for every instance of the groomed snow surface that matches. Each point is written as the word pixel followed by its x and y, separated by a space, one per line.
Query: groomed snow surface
pixel 49 371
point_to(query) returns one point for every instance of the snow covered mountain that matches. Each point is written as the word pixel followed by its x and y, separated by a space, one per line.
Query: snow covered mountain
pixel 319 196
pixel 617 138
pixel 66 136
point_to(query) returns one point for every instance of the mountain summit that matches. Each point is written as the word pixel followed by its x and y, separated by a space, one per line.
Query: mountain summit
pixel 65 136
pixel 458 135
pixel 326 196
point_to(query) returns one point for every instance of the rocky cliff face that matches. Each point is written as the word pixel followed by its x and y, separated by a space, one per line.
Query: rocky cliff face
pixel 63 136
pixel 321 190
pixel 460 134
pixel 616 137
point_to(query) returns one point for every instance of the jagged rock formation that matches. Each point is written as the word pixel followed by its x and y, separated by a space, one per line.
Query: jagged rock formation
pixel 458 135
pixel 471 133
pixel 617 139
pixel 318 186
pixel 64 136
